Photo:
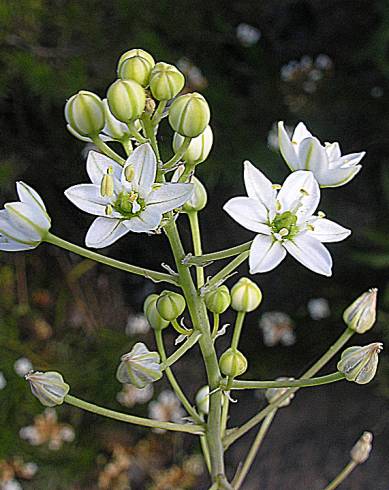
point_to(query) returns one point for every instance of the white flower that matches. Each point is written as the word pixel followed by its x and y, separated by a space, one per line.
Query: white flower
pixel 303 151
pixel 284 221
pixel 125 198
pixel 22 366
pixel 3 381
pixel 318 308
pixel 23 224
pixel 167 408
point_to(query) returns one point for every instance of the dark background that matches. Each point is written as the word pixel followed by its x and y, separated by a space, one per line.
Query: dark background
pixel 50 50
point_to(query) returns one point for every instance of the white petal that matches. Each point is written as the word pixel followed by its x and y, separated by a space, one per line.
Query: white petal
pixel 265 254
pixel 299 194
pixel 287 148
pixel 104 232
pixel 16 231
pixel 258 186
pixel 7 245
pixel 144 163
pixel 313 156
pixel 347 161
pixel 300 133
pixel 311 253
pixel 87 198
pixel 97 166
pixel 148 220
pixel 28 217
pixel 333 151
pixel 77 135
pixel 249 213
pixel 170 196
pixel 336 177
pixel 326 230
pixel 29 196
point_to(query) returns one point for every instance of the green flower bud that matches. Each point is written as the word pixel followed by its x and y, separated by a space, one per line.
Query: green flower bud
pixel 140 367
pixel 114 128
pixel 198 198
pixel 273 394
pixel 49 388
pixel 218 300
pixel 166 81
pixel 360 316
pixel 189 115
pixel 232 363
pixel 245 295
pixel 170 305
pixel 202 400
pixel 84 113
pixel 126 100
pixel 359 364
pixel 137 68
pixel 152 315
pixel 361 450
pixel 199 147
pixel 135 52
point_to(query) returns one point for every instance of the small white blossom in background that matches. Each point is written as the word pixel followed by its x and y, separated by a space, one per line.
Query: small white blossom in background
pixel 130 395
pixel 307 69
pixel 277 328
pixel 11 485
pixel 22 366
pixel 13 469
pixel 318 308
pixel 247 35
pixel 137 324
pixel 377 92
pixel 194 77
pixel 3 381
pixel 272 136
pixel 167 408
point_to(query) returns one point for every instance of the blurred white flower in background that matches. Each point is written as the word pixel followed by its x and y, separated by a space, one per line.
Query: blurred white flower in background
pixel 130 395
pixel 22 366
pixel 3 381
pixel 247 35
pixel 318 308
pixel 167 408
pixel 137 324
pixel 277 328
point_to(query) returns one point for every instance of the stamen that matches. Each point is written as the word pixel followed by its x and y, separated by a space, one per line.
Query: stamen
pixel 321 214
pixel 304 192
pixel 108 210
pixel 129 173
pixel 284 232
pixel 278 206
pixel 276 187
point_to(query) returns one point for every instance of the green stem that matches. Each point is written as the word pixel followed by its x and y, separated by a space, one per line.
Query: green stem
pixel 218 278
pixel 180 329
pixel 222 254
pixel 225 410
pixel 342 476
pixel 127 145
pixel 196 237
pixel 157 116
pixel 216 321
pixel 240 316
pixel 172 380
pixel 236 433
pixel 241 475
pixel 300 383
pixel 188 344
pixel 102 146
pixel 178 155
pixel 132 419
pixel 117 264
pixel 135 133
pixel 204 448
pixel 149 128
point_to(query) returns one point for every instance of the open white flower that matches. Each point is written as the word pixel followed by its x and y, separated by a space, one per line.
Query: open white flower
pixel 23 224
pixel 303 151
pixel 284 221
pixel 125 198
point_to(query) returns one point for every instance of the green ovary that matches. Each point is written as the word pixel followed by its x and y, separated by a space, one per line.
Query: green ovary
pixel 287 223
pixel 126 202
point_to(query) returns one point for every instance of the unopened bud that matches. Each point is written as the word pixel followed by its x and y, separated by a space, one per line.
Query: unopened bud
pixel 361 451
pixel 245 295
pixel 198 198
pixel 360 316
pixel 113 127
pixel 150 105
pixel 274 394
pixel 135 52
pixel 170 305
pixel 140 367
pixel 107 186
pixel 189 115
pixel 137 67
pixel 199 147
pixel 218 300
pixel 359 364
pixel 84 113
pixel 50 387
pixel 202 400
pixel 232 363
pixel 151 313
pixel 166 81
pixel 126 100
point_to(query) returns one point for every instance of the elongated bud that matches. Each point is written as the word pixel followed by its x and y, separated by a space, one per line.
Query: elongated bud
pixel 84 113
pixel 360 316
pixel 361 451
pixel 140 367
pixel 359 364
pixel 170 305
pixel 135 52
pixel 166 81
pixel 198 198
pixel 219 300
pixel 113 127
pixel 202 400
pixel 274 394
pixel 189 115
pixel 107 186
pixel 137 67
pixel 232 363
pixel 126 100
pixel 151 313
pixel 245 295
pixel 49 387
pixel 199 147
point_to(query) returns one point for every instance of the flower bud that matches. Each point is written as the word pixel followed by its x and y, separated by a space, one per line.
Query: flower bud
pixel 166 81
pixel 274 394
pixel 361 451
pixel 135 52
pixel 114 128
pixel 137 68
pixel 359 364
pixel 245 295
pixel 49 388
pixel 202 400
pixel 140 367
pixel 218 300
pixel 199 147
pixel 360 316
pixel 126 100
pixel 170 305
pixel 189 115
pixel 198 198
pixel 232 363
pixel 151 313
pixel 84 113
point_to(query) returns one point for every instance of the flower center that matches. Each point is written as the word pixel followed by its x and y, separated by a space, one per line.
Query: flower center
pixel 129 204
pixel 284 226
